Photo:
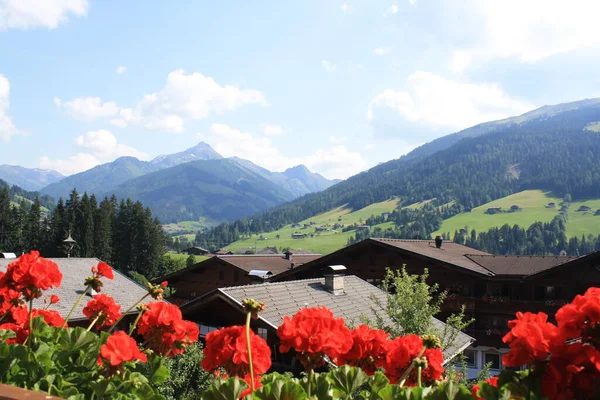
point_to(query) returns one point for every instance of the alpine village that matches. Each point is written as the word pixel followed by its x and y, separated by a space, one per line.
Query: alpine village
pixel 363 200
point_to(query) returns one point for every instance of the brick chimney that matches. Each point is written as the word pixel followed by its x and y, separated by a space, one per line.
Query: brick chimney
pixel 438 242
pixel 288 255
pixel 334 279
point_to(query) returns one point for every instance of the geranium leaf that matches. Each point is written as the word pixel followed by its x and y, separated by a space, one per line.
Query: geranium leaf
pixel 378 381
pixel 229 389
pixel 450 391
pixel 281 390
pixel 345 380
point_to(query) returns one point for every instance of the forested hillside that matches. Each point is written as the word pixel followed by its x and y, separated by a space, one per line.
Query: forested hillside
pixel 552 153
pixel 124 233
pixel 17 195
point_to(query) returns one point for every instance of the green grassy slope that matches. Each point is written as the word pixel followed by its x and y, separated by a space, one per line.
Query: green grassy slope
pixel 324 242
pixel 184 257
pixel 533 204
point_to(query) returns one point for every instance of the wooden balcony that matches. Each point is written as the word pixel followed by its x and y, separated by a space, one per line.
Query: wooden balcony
pixel 15 393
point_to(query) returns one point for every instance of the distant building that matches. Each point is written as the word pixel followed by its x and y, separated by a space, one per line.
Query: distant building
pixel 223 252
pixel 8 255
pixel 196 251
pixel 321 229
pixel 363 227
pixel 296 225
pixel 515 207
pixel 228 270
pixel 584 208
pixel 385 215
pixel 551 205
pixel 297 235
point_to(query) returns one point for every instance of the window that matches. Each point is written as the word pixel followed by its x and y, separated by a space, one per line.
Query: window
pixel 470 358
pixel 262 332
pixel 206 329
pixel 236 275
pixel 493 359
pixel 221 275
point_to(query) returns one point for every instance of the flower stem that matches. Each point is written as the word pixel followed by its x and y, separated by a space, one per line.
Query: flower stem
pixel 94 322
pixel 411 366
pixel 248 319
pixel 135 322
pixel 419 370
pixel 310 378
pixel 30 319
pixel 127 312
pixel 87 287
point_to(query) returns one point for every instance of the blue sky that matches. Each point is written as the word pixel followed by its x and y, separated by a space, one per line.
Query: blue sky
pixel 336 85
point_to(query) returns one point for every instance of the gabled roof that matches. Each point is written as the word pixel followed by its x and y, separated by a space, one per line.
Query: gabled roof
pixel 276 263
pixel 286 298
pixel 125 291
pixel 450 252
pixel 519 265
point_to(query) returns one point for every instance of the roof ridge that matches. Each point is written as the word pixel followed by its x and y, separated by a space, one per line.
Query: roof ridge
pixel 266 255
pixel 284 282
pixel 517 256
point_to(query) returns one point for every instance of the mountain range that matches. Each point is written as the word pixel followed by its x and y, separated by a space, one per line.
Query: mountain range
pixel 195 183
pixel 553 148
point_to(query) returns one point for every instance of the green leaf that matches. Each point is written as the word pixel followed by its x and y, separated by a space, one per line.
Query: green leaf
pixel 159 373
pixel 6 334
pixel 280 390
pixel 221 389
pixel 378 381
pixel 450 391
pixel 345 380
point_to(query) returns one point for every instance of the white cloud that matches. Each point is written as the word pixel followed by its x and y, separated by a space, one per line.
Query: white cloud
pixel 529 30
pixel 7 128
pixel 379 51
pixel 345 8
pixel 393 9
pixel 100 146
pixel 336 162
pixel 121 69
pixel 272 130
pixel 24 14
pixel 329 67
pixel 104 145
pixel 370 146
pixel 74 164
pixel 87 108
pixel 185 96
pixel 337 139
pixel 439 102
pixel 412 2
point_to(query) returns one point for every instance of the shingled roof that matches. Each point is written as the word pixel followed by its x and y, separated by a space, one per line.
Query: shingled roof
pixel 287 298
pixel 275 263
pixel 519 265
pixel 450 252
pixel 125 291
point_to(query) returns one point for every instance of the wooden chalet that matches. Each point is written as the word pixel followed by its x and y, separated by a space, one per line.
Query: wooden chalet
pixel 196 251
pixel 348 297
pixel 228 270
pixel 493 288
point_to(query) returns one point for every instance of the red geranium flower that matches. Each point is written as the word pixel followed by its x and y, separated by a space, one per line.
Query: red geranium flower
pixel 227 348
pixel 52 317
pixel 369 348
pixel 31 274
pixel 249 390
pixel 314 333
pixel 104 308
pixel 120 348
pixel 162 325
pixel 530 339
pixel 401 353
pixel 577 319
pixel 104 270
pixel 572 373
pixel 493 381
pixel 8 298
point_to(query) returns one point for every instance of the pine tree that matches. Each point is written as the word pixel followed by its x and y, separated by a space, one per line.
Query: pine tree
pixel 85 222
pixel 32 228
pixel 103 224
